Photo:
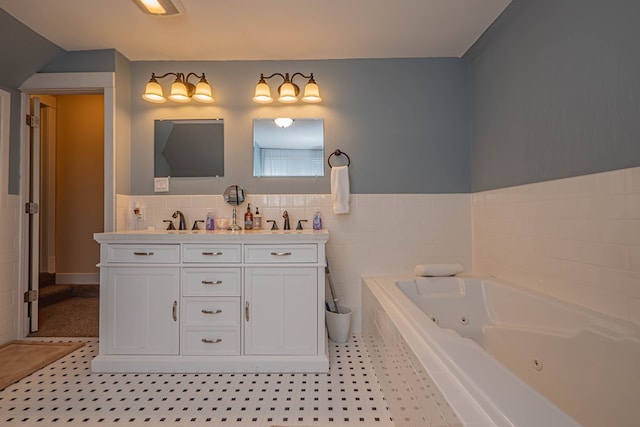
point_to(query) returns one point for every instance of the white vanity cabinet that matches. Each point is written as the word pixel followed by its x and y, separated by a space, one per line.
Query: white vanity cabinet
pixel 144 316
pixel 218 301
pixel 210 322
pixel 281 310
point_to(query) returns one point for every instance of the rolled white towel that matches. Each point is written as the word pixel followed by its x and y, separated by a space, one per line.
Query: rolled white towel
pixel 437 270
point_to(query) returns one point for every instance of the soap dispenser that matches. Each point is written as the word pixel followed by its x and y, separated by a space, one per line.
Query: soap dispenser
pixel 210 221
pixel 317 220
pixel 257 220
pixel 248 218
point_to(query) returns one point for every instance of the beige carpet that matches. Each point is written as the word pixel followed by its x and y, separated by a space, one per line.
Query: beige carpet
pixel 21 358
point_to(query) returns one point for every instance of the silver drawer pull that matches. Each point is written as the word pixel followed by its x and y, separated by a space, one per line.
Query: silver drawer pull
pixel 211 253
pixel 205 311
pixel 211 282
pixel 208 341
pixel 280 253
pixel 143 253
pixel 174 311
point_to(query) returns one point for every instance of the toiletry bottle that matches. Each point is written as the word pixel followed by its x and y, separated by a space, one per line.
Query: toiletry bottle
pixel 248 218
pixel 257 220
pixel 317 221
pixel 210 223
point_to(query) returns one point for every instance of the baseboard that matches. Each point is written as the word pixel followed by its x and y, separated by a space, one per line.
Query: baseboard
pixel 77 278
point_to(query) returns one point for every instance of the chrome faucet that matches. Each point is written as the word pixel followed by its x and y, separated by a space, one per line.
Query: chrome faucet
pixel 182 225
pixel 285 215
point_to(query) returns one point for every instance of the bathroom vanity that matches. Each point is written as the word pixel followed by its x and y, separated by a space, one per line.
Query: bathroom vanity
pixel 212 301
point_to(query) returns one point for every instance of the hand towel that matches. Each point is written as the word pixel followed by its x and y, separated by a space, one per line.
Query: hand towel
pixel 437 270
pixel 340 189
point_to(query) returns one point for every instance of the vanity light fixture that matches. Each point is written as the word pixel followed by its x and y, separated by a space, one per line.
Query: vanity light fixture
pixel 160 7
pixel 283 122
pixel 288 91
pixel 182 90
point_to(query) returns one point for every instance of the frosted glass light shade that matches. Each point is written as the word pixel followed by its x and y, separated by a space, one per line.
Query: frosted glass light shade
pixel 179 92
pixel 262 94
pixel 287 93
pixel 153 6
pixel 283 122
pixel 153 92
pixel 203 92
pixel 311 93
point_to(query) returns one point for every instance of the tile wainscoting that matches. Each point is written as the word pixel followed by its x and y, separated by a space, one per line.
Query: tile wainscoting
pixel 10 297
pixel 576 238
pixel 382 234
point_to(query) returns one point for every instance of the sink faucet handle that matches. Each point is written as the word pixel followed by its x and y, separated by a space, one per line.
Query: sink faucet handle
pixel 299 226
pixel 275 224
pixel 170 226
pixel 195 224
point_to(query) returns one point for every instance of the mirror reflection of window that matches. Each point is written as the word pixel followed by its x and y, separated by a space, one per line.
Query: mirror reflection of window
pixel 293 147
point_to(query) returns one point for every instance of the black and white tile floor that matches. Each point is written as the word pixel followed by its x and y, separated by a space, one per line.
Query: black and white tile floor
pixel 67 393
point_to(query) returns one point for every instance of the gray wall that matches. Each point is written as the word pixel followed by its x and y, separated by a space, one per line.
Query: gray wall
pixel 22 53
pixel 403 122
pixel 554 88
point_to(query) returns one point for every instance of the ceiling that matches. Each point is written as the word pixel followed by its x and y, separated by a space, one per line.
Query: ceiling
pixel 263 30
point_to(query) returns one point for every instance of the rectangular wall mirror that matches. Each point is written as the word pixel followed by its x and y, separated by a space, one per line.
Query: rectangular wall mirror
pixel 189 148
pixel 288 147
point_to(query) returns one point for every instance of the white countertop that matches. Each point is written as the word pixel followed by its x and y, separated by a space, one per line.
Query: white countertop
pixel 215 236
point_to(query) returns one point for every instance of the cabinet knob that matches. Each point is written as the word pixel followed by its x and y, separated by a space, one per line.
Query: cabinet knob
pixel 205 311
pixel 208 341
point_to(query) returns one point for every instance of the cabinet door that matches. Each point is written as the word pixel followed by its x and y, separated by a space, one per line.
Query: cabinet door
pixel 281 311
pixel 143 310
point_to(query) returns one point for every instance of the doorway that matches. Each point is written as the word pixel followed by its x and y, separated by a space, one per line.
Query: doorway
pixel 67 182
pixel 69 83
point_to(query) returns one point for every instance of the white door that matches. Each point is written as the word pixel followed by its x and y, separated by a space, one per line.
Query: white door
pixel 281 313
pixel 32 210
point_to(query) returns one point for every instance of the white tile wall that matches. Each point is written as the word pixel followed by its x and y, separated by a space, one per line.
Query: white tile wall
pixel 382 234
pixel 576 238
pixel 9 266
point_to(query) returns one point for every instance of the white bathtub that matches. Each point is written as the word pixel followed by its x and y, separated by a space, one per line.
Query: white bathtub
pixel 498 355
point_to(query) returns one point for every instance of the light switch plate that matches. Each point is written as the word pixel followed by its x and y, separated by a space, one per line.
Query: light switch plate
pixel 161 185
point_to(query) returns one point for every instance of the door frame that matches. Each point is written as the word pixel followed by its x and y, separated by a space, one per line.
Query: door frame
pixel 66 83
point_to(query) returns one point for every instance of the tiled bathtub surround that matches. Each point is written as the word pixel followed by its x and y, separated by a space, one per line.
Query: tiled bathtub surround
pixel 577 239
pixel 382 234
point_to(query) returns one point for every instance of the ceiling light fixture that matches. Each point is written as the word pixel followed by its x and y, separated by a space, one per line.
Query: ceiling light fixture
pixel 160 7
pixel 288 91
pixel 283 122
pixel 181 90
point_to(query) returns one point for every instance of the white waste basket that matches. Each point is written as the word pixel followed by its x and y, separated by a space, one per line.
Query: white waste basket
pixel 339 324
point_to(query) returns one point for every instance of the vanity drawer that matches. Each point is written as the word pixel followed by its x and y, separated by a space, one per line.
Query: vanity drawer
pixel 210 281
pixel 274 254
pixel 198 341
pixel 211 312
pixel 144 254
pixel 211 253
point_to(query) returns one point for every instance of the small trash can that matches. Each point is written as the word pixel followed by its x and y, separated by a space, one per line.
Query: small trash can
pixel 339 324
